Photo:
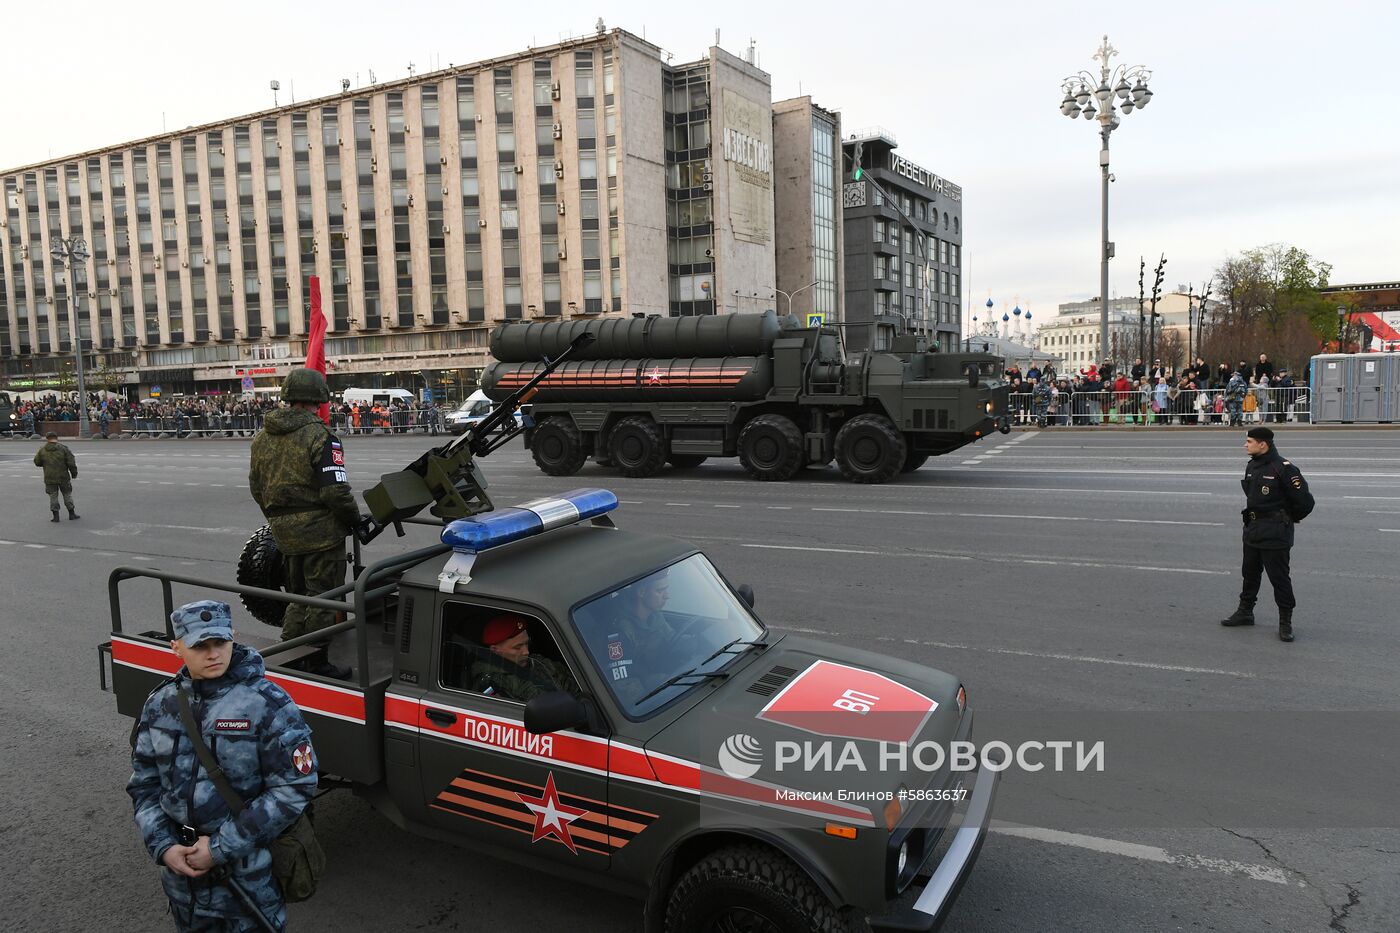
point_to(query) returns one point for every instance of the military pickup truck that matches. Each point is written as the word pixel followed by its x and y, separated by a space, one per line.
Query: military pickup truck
pixel 661 775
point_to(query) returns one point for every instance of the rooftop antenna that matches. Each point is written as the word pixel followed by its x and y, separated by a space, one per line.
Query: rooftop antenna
pixel 716 37
pixel 600 27
pixel 276 86
pixel 410 69
pixel 372 78
pixel 344 85
pixel 752 54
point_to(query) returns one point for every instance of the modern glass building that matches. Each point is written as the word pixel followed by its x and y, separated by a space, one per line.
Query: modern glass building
pixel 586 178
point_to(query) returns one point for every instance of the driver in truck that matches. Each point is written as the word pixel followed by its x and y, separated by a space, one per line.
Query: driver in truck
pixel 510 671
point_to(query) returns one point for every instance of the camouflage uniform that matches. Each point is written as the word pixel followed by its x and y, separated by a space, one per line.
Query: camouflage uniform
pixel 60 469
pixel 496 676
pixel 264 747
pixel 297 477
pixel 1041 396
pixel 1234 398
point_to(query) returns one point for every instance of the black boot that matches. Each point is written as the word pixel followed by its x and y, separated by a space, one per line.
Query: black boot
pixel 1285 625
pixel 73 516
pixel 1244 615
pixel 55 515
pixel 320 665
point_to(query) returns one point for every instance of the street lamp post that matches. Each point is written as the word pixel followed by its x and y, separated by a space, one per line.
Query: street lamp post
pixel 791 295
pixel 72 252
pixel 1081 90
pixel 1341 317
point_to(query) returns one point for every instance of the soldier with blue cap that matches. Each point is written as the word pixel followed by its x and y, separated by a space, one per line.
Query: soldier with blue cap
pixel 217 867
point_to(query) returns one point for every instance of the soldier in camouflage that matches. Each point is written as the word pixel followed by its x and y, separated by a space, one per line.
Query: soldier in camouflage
pixel 509 670
pixel 60 469
pixel 262 745
pixel 297 476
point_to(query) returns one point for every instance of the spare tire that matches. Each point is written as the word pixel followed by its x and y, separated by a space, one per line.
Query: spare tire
pixel 261 565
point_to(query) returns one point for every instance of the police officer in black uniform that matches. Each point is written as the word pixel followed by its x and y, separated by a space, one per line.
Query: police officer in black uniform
pixel 1277 499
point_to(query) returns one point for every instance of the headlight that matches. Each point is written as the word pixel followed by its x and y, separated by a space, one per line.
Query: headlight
pixel 990 407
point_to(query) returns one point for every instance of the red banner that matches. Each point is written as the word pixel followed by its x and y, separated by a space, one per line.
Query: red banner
pixel 316 342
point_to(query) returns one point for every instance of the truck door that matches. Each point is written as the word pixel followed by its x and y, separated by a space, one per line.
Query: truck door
pixel 482 773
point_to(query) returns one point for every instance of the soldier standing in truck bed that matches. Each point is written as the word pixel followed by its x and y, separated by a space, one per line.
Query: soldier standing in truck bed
pixel 296 474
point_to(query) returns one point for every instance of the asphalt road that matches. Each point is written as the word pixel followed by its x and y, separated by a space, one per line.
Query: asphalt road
pixel 1073 577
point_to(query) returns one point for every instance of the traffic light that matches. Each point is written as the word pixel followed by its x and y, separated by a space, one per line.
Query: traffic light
pixel 856 170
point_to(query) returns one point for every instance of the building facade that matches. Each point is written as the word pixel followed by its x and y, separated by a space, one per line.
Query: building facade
pixel 903 246
pixel 585 178
pixel 1073 335
pixel 807 151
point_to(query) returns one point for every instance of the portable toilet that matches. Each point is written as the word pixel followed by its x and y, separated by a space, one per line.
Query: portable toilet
pixel 1330 401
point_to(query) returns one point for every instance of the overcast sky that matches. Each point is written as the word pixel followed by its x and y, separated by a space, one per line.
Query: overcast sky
pixel 1271 122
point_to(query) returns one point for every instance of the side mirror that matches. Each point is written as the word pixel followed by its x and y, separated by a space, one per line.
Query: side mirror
pixel 973 375
pixel 745 593
pixel 553 712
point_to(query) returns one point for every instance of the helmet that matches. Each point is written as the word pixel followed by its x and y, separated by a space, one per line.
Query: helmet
pixel 305 385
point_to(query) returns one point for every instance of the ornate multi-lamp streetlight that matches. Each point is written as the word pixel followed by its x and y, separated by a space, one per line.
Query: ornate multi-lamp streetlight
pixel 1122 88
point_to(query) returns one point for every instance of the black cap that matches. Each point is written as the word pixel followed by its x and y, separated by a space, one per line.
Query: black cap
pixel 1261 434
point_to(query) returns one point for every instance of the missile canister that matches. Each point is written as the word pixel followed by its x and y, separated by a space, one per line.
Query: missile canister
pixel 646 338
pixel 733 378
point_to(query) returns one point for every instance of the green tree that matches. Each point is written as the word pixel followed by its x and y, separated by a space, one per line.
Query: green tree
pixel 1272 303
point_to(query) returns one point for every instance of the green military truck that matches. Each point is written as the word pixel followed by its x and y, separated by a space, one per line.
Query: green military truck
pixel 779 396
pixel 676 767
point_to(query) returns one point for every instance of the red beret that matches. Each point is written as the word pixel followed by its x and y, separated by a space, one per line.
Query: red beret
pixel 501 628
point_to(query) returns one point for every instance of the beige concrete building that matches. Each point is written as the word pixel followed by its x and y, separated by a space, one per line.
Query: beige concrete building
pixel 584 178
pixel 807 148
pixel 1073 335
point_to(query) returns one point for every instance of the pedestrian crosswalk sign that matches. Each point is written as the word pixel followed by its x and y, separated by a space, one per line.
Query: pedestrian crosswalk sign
pixel 816 320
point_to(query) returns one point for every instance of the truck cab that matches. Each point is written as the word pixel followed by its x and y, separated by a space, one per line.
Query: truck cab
pixel 657 770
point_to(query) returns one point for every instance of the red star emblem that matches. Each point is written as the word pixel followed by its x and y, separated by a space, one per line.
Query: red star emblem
pixel 654 377
pixel 552 818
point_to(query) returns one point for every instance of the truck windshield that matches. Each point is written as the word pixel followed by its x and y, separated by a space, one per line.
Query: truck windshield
pixel 681 620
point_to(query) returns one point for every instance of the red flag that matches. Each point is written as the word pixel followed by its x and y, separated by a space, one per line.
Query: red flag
pixel 316 342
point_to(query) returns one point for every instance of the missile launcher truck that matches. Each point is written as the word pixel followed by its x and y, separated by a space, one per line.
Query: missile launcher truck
pixel 648 391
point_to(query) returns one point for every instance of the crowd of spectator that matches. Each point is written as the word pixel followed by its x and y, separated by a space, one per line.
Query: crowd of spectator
pixel 230 416
pixel 1197 394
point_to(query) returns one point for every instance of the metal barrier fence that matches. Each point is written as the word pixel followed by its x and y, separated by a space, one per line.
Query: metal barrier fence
pixel 1199 407
pixel 229 424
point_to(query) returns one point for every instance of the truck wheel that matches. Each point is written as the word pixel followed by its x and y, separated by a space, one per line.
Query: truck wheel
pixel 261 565
pixel 750 888
pixel 912 460
pixel 557 447
pixel 686 461
pixel 869 449
pixel 770 448
pixel 637 448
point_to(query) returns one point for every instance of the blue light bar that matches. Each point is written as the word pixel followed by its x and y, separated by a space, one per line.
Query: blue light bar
pixel 482 532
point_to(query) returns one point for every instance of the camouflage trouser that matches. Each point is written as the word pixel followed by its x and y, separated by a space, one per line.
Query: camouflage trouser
pixel 53 489
pixel 202 906
pixel 310 575
pixel 1235 410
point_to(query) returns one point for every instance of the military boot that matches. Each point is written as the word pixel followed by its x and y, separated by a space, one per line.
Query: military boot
pixel 1285 625
pixel 1244 615
pixel 55 515
pixel 73 516
pixel 320 665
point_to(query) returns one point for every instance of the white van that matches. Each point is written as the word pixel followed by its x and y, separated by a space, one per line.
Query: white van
pixel 378 396
pixel 474 409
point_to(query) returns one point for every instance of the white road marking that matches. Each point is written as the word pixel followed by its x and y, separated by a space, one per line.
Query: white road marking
pixel 993 559
pixel 1042 655
pixel 1384 498
pixel 729 506
pixel 685 505
pixel 1145 853
pixel 36 545
pixel 781 507
pixel 971 462
pixel 123 529
pixel 1394 531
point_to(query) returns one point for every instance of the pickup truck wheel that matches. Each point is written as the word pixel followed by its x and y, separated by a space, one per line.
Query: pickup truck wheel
pixel 870 450
pixel 748 889
pixel 637 448
pixel 686 461
pixel 557 447
pixel 261 565
pixel 770 448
